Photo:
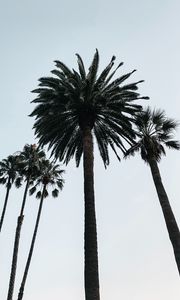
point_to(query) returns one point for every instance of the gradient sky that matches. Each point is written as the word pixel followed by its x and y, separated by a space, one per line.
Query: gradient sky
pixel 135 256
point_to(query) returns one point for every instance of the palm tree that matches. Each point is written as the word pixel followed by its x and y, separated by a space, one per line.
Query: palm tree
pixel 30 157
pixel 8 175
pixel 72 108
pixel 155 131
pixel 50 175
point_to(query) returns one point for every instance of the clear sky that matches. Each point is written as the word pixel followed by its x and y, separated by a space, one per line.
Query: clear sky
pixel 135 256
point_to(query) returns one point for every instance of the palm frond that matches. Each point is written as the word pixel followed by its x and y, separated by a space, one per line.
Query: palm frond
pixel 18 182
pixel 32 190
pixel 132 150
pixel 64 68
pixel 3 180
pixel 46 194
pixel 105 73
pixel 113 73
pixel 91 76
pixel 169 125
pixel 38 195
pixel 173 144
pixel 55 193
pixel 81 66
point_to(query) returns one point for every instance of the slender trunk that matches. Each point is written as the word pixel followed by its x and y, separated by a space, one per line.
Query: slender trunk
pixel 16 244
pixel 90 233
pixel 21 290
pixel 169 217
pixel 5 202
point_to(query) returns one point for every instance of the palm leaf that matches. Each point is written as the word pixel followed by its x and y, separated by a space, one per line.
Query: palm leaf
pixel 173 144
pixel 55 193
pixel 38 195
pixel 81 66
pixel 32 190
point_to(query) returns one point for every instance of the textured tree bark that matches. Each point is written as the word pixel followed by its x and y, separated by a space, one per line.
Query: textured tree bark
pixel 21 290
pixel 90 232
pixel 5 203
pixel 16 245
pixel 169 217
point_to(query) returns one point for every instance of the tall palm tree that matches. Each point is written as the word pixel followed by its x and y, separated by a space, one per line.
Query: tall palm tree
pixel 30 158
pixel 156 131
pixel 50 175
pixel 9 168
pixel 72 107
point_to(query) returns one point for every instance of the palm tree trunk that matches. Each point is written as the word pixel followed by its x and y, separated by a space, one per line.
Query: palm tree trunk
pixel 21 290
pixel 16 244
pixel 169 217
pixel 90 233
pixel 5 203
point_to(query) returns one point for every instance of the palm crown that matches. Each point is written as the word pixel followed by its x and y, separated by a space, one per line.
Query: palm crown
pixel 50 175
pixel 73 100
pixel 9 170
pixel 9 174
pixel 155 131
pixel 30 158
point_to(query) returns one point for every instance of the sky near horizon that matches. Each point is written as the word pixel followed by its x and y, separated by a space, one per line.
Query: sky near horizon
pixel 135 255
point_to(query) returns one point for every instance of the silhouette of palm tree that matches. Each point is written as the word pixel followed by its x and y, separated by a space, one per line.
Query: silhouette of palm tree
pixel 155 132
pixel 72 108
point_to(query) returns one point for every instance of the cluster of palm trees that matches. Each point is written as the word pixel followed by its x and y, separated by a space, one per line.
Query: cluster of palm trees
pixel 38 173
pixel 75 107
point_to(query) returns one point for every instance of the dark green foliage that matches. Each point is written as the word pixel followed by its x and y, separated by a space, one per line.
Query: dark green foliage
pixel 30 158
pixel 18 182
pixel 50 175
pixel 9 174
pixel 10 168
pixel 71 101
pixel 155 131
pixel 32 190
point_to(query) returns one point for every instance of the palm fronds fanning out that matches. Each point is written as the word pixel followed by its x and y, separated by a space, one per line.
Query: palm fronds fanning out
pixel 72 100
pixel 154 131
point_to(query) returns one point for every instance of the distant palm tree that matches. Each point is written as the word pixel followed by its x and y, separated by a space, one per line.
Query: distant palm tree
pixel 155 131
pixel 71 109
pixel 50 175
pixel 9 168
pixel 30 158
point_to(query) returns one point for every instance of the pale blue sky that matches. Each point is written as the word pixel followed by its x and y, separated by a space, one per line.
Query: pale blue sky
pixel 135 256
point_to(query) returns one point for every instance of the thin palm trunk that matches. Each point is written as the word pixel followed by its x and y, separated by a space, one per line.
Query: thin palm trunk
pixel 16 244
pixel 90 233
pixel 169 217
pixel 5 202
pixel 21 290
